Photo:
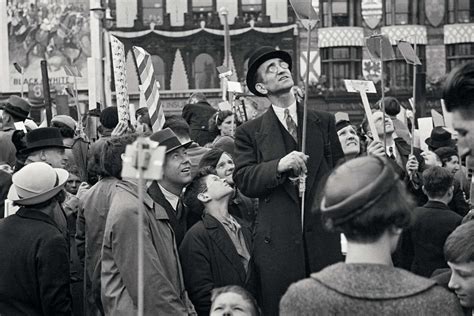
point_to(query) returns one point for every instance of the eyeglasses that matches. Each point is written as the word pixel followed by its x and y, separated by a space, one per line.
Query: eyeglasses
pixel 274 69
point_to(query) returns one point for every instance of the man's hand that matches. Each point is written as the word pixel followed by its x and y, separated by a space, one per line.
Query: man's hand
pixel 294 161
pixel 376 149
pixel 120 129
pixel 412 165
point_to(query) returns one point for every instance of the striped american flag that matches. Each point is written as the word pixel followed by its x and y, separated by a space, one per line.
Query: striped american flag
pixel 149 88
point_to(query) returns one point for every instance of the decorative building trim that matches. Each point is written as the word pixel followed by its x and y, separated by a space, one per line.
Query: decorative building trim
pixel 176 34
pixel 459 33
pixel 406 33
pixel 340 36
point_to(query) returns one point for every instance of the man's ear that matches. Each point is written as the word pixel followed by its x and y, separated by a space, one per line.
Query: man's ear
pixel 260 87
pixel 203 197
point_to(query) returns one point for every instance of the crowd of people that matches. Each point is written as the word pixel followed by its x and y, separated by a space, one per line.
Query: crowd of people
pixel 381 229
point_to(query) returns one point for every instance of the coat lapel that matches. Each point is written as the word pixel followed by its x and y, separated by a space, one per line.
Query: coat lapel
pixel 271 149
pixel 314 148
pixel 155 193
pixel 220 237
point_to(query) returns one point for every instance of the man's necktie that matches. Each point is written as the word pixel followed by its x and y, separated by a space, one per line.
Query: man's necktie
pixel 292 129
pixel 390 153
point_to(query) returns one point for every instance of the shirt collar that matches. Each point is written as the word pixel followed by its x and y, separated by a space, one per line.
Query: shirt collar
pixel 171 197
pixel 280 112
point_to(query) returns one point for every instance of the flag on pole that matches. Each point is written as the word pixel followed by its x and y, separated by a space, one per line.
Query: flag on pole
pixel 120 74
pixel 149 88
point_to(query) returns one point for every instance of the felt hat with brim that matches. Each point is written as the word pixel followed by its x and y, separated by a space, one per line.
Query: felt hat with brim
pixel 355 186
pixel 440 138
pixel 36 183
pixel 66 120
pixel 41 138
pixel 16 106
pixel 260 56
pixel 166 137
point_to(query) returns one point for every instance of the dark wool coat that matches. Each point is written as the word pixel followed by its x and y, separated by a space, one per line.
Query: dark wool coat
pixel 197 115
pixel 284 254
pixel 367 289
pixel 34 266
pixel 431 226
pixel 209 260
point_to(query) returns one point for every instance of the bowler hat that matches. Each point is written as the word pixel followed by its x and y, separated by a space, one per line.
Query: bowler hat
pixel 166 137
pixel 45 137
pixel 36 183
pixel 440 137
pixel 17 106
pixel 260 56
pixel 355 186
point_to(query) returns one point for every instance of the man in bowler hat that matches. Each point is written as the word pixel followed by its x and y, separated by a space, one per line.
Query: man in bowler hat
pixel 267 157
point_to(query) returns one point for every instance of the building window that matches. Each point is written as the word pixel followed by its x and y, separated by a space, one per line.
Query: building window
pixel 205 73
pixel 152 11
pixel 202 6
pixel 339 63
pixel 252 10
pixel 335 13
pixel 399 74
pixel 460 11
pixel 397 12
pixel 458 54
pixel 159 68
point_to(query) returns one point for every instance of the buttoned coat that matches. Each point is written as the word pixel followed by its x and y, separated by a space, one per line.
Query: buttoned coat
pixel 34 266
pixel 282 253
pixel 163 281
pixel 210 260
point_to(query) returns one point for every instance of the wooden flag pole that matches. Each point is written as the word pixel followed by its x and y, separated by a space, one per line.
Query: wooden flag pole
pixel 46 93
pixel 382 102
pixel 412 143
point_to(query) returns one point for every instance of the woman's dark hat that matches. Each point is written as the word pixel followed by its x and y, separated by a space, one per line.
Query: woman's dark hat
pixel 260 56
pixel 166 137
pixel 440 137
pixel 45 137
pixel 355 186
pixel 17 106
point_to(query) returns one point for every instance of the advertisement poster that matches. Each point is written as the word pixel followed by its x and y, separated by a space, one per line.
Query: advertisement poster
pixel 53 30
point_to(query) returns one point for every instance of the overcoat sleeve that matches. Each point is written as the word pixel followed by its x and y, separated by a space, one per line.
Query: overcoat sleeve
pixel 254 178
pixel 197 271
pixel 53 273
pixel 160 296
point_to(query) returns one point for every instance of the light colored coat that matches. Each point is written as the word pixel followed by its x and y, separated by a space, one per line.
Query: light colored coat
pixel 163 281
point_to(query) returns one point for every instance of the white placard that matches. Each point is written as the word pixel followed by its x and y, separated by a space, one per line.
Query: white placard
pixel 360 85
pixel 425 126
pixel 234 86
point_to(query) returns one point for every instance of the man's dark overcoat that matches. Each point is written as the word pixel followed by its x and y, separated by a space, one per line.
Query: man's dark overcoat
pixel 34 266
pixel 282 253
pixel 197 115
pixel 209 260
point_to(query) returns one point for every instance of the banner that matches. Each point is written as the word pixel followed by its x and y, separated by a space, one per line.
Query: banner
pixel 54 30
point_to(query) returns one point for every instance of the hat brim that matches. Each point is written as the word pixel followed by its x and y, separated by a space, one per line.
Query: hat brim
pixel 185 145
pixel 10 111
pixel 29 150
pixel 63 175
pixel 250 79
pixel 449 143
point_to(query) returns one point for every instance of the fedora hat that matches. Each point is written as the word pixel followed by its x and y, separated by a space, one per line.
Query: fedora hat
pixel 166 137
pixel 36 183
pixel 17 106
pixel 260 56
pixel 440 137
pixel 45 137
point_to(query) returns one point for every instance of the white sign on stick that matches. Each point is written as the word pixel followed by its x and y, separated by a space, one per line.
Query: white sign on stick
pixel 364 87
pixel 425 126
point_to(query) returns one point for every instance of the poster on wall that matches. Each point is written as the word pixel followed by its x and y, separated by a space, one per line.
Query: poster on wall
pixel 53 30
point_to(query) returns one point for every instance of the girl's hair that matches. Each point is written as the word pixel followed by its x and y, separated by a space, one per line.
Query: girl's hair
pixel 211 158
pixel 216 120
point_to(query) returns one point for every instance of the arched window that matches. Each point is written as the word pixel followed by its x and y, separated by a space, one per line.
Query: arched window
pixel 159 68
pixel 205 73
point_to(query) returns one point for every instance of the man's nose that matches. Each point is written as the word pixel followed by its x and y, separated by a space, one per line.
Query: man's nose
pixel 453 282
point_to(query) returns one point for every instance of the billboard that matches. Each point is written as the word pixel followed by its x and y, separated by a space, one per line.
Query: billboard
pixel 53 30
